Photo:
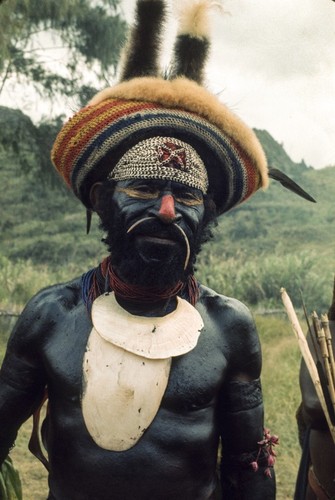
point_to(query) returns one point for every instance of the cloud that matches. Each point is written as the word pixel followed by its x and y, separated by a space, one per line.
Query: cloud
pixel 278 37
pixel 274 64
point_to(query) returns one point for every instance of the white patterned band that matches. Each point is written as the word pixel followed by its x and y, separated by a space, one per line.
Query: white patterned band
pixel 162 158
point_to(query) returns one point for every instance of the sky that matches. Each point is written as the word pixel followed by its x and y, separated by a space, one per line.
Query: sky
pixel 275 63
pixel 272 62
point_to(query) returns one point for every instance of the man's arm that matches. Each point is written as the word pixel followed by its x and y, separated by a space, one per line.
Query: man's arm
pixel 247 461
pixel 22 378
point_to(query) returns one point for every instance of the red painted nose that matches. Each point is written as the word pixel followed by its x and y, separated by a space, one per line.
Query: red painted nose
pixel 167 212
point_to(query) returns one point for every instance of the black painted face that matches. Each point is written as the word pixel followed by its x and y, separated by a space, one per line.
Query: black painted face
pixel 156 227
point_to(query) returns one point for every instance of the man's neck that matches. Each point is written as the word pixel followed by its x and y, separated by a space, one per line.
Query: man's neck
pixel 137 300
pixel 152 309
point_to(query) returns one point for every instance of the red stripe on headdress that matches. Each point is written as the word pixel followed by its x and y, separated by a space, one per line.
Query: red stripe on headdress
pixel 84 126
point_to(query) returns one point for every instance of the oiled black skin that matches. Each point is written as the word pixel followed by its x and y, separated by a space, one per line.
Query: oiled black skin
pixel 176 457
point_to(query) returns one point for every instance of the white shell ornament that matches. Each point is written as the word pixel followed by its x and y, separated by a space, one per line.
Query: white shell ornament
pixel 126 368
pixel 122 393
pixel 158 337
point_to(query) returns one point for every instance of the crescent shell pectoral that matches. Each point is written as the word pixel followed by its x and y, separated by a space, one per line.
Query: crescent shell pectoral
pixel 174 334
pixel 126 368
pixel 122 393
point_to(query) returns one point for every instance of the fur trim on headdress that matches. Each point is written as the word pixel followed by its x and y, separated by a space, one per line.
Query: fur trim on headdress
pixel 188 96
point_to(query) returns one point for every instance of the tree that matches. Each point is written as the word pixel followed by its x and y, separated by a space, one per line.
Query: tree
pixel 89 32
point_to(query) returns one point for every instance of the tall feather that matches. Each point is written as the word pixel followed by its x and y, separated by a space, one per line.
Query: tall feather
pixel 140 57
pixel 192 44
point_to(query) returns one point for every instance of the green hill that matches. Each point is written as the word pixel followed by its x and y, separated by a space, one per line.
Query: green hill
pixel 275 239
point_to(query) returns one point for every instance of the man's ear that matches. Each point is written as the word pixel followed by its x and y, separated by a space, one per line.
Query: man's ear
pixel 95 196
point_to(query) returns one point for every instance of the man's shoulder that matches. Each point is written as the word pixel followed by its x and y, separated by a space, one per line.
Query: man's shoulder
pixel 61 295
pixel 222 304
pixel 46 308
pixel 236 327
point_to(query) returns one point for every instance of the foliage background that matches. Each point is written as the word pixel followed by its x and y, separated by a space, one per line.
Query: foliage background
pixel 274 240
pixel 61 47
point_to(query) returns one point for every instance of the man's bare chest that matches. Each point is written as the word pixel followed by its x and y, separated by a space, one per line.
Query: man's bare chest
pixel 193 379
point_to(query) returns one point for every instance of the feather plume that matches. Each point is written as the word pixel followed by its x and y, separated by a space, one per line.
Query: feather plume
pixel 192 45
pixel 140 57
pixel 288 183
pixel 193 17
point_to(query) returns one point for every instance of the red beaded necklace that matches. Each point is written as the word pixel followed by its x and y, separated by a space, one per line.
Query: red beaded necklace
pixel 104 279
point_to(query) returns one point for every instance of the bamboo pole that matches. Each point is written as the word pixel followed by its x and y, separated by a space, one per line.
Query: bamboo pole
pixel 321 336
pixel 307 356
pixel 325 326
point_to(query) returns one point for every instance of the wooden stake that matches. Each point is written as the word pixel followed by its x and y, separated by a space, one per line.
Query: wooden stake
pixel 307 356
pixel 325 355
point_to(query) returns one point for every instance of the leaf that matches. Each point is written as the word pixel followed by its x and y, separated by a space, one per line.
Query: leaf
pixel 10 483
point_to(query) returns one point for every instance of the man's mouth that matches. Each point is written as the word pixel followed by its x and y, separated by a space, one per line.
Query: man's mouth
pixel 149 231
pixel 157 239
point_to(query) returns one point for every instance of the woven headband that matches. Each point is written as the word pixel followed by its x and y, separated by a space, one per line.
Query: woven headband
pixel 162 158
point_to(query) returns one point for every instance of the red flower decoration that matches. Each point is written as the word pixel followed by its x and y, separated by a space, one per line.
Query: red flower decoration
pixel 254 465
pixel 266 446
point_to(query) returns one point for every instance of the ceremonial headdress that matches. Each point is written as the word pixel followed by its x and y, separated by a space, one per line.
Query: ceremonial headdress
pixel 174 108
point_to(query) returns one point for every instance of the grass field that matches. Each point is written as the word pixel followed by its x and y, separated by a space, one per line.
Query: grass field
pixel 281 361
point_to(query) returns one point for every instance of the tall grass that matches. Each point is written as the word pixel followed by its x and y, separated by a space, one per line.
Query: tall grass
pixel 20 280
pixel 280 376
pixel 255 281
pixel 258 281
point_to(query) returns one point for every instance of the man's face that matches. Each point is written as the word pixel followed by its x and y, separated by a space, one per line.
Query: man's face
pixel 154 230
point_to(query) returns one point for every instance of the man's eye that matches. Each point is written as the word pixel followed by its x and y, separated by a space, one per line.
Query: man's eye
pixel 188 198
pixel 142 192
pixel 145 189
pixel 145 192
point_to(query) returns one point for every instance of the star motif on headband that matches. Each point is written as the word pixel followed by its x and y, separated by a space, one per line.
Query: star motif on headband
pixel 172 155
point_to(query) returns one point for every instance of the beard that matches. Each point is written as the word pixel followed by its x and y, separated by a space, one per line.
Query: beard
pixel 141 263
pixel 152 254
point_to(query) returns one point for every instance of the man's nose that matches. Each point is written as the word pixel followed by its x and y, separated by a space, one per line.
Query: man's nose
pixel 167 212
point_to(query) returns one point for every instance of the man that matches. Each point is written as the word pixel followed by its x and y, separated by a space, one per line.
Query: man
pixel 148 373
pixel 316 473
